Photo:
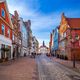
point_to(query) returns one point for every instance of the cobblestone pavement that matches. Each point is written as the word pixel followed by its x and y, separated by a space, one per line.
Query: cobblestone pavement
pixel 21 69
pixel 49 70
pixel 67 63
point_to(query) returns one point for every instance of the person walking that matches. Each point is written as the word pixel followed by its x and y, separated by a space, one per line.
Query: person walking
pixel 13 54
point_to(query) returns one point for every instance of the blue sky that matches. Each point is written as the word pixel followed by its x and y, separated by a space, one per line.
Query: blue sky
pixel 44 14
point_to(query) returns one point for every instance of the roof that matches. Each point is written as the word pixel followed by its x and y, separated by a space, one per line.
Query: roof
pixel 2 1
pixel 74 22
pixel 43 47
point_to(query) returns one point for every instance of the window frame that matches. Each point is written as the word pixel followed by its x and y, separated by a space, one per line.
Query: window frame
pixel 1 12
pixel 9 32
pixel 1 29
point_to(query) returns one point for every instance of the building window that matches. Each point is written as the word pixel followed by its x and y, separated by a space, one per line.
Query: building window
pixel 64 34
pixel 3 12
pixel 8 32
pixel 3 29
pixel 33 42
pixel 33 47
pixel 57 30
pixel 13 37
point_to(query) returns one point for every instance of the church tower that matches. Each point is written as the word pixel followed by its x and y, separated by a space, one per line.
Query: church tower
pixel 43 43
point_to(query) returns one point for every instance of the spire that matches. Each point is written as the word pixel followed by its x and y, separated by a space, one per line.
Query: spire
pixel 43 43
pixel 63 15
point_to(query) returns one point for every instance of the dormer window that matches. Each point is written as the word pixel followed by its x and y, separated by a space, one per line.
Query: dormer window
pixel 2 13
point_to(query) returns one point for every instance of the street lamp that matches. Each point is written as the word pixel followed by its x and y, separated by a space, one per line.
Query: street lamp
pixel 73 40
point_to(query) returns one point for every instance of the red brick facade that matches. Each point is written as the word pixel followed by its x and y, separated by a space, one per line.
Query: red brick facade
pixel 5 21
pixel 5 32
pixel 69 28
pixel 16 41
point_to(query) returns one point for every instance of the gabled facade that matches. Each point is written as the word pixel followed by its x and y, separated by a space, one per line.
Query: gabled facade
pixel 43 49
pixel 16 34
pixel 5 32
pixel 24 32
pixel 68 30
pixel 35 45
pixel 28 26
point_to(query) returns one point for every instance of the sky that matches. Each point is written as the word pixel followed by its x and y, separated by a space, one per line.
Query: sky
pixel 45 15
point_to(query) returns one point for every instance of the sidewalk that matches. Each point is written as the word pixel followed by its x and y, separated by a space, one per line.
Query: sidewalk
pixel 68 63
pixel 22 69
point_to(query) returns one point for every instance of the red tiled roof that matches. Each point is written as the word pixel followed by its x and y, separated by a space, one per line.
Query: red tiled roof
pixel 74 22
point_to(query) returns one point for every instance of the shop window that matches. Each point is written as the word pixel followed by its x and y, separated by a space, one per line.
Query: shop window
pixel 2 13
pixel 3 29
pixel 2 51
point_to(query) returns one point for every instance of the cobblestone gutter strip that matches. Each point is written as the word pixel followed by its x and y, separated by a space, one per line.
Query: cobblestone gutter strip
pixel 37 64
pixel 42 72
pixel 39 71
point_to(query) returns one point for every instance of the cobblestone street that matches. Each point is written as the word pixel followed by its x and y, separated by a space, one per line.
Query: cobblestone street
pixel 50 70
pixel 68 63
pixel 21 69
pixel 40 40
pixel 30 69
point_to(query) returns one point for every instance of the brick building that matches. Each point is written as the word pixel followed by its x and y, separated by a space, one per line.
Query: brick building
pixel 5 32
pixel 16 34
pixel 69 31
pixel 51 42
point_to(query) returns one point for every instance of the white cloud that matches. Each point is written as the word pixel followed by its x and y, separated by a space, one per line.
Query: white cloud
pixel 40 22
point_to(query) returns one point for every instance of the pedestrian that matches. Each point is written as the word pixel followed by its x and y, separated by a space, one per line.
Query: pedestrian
pixel 13 54
pixel 32 54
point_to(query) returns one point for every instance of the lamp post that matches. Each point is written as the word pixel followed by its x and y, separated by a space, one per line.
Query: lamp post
pixel 74 39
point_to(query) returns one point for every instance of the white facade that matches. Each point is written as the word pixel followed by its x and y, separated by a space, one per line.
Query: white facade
pixel 24 38
pixel 34 45
pixel 43 50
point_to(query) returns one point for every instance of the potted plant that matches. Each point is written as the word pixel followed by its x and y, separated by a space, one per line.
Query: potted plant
pixel 5 50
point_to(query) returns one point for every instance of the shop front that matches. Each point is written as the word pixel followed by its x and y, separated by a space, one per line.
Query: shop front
pixel 5 49
pixel 5 52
